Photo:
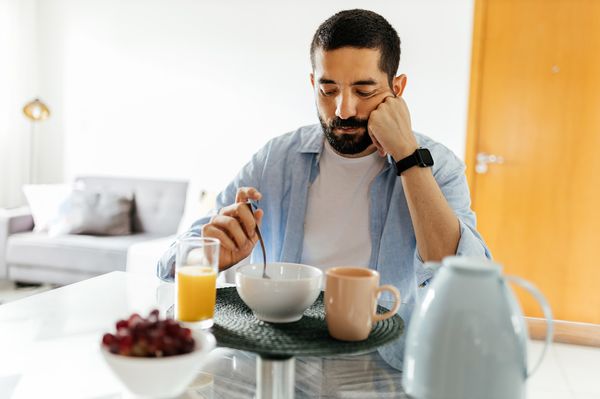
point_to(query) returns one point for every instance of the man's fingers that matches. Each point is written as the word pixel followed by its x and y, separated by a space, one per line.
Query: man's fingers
pixel 228 210
pixel 258 214
pixel 247 193
pixel 214 232
pixel 387 101
pixel 241 211
pixel 247 219
pixel 233 228
pixel 376 142
pixel 402 104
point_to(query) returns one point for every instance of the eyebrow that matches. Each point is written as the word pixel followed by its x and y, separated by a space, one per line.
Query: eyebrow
pixel 366 82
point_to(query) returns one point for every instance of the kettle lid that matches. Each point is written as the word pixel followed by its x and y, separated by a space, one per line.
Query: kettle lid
pixel 470 264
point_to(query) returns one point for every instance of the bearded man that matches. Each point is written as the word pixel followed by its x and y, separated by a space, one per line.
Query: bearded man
pixel 358 189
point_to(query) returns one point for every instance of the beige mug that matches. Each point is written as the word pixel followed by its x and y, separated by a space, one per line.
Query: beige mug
pixel 351 302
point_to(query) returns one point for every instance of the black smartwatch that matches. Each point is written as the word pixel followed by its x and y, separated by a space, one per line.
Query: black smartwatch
pixel 421 157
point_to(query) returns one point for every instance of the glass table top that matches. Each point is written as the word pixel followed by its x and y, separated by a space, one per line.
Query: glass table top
pixel 49 346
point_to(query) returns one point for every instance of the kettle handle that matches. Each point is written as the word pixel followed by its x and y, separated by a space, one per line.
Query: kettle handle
pixel 539 297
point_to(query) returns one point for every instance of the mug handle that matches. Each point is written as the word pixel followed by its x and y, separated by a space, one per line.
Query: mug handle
pixel 390 313
pixel 547 314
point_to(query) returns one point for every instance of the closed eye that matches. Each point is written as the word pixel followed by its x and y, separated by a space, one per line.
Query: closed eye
pixel 328 92
pixel 365 94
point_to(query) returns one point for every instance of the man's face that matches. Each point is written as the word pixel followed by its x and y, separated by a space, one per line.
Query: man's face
pixel 349 85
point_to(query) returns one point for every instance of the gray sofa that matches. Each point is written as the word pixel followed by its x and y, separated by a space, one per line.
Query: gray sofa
pixel 35 257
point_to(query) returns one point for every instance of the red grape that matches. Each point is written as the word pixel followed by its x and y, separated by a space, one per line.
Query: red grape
pixel 122 324
pixel 107 339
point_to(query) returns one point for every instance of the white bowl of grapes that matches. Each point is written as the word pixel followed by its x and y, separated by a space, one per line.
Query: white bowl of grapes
pixel 154 357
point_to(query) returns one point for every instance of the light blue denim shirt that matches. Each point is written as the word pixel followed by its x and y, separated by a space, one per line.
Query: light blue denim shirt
pixel 283 171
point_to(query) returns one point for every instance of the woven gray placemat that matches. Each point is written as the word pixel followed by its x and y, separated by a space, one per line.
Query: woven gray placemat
pixel 236 327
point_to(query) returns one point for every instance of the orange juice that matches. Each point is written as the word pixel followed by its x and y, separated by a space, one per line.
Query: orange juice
pixel 196 293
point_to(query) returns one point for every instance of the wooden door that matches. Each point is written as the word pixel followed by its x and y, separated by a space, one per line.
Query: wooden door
pixel 535 102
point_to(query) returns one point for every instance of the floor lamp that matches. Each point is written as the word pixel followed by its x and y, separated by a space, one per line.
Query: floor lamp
pixel 35 111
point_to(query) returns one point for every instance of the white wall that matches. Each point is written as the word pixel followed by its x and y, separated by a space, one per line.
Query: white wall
pixel 18 85
pixel 189 88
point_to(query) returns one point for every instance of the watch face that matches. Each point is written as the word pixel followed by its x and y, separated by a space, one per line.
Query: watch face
pixel 424 156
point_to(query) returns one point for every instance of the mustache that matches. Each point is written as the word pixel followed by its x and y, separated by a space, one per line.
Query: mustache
pixel 352 122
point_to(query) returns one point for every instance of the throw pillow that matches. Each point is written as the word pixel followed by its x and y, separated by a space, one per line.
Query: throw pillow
pixel 44 201
pixel 91 212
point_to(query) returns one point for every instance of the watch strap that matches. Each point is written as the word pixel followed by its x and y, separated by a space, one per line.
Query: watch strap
pixel 421 157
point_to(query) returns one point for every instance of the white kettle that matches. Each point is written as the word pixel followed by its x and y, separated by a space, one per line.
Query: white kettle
pixel 467 338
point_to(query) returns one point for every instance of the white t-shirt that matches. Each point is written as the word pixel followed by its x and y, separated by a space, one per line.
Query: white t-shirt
pixel 336 227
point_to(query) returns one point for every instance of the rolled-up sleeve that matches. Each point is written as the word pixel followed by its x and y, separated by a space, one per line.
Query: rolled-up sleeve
pixel 451 178
pixel 453 183
pixel 471 243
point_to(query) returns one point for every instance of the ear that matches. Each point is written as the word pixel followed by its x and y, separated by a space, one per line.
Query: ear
pixel 312 80
pixel 398 85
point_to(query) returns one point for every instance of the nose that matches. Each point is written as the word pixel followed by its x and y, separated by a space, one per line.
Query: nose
pixel 345 105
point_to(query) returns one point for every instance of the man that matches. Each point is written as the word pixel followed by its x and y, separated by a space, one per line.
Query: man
pixel 361 188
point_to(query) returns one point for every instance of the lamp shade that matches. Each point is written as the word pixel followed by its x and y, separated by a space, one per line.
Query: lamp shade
pixel 36 110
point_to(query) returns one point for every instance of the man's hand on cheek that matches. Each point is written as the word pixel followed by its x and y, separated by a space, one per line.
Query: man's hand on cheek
pixel 390 128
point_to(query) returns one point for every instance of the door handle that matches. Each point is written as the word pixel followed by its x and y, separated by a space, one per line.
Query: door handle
pixel 484 159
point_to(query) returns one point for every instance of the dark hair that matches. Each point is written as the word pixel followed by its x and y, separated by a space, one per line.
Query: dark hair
pixel 360 29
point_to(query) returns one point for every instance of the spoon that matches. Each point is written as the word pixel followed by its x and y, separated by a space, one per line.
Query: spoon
pixel 262 245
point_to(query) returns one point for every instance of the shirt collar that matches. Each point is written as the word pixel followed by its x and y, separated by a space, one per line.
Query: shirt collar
pixel 312 143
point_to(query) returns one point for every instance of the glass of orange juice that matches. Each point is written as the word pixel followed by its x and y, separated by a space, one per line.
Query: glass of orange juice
pixel 196 267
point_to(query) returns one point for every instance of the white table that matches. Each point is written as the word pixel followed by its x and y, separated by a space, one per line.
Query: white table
pixel 49 348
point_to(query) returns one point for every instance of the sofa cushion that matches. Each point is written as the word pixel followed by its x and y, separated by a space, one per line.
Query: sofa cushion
pixel 91 212
pixel 158 204
pixel 93 254
pixel 44 201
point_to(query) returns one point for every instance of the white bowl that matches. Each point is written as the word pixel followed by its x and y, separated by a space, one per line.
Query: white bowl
pixel 162 377
pixel 284 297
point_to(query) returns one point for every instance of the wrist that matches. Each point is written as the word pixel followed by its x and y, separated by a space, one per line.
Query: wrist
pixel 413 173
pixel 404 152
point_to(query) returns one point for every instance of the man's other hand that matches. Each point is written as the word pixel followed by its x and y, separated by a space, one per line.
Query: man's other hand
pixel 390 128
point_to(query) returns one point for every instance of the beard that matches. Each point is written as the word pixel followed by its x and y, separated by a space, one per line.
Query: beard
pixel 347 143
